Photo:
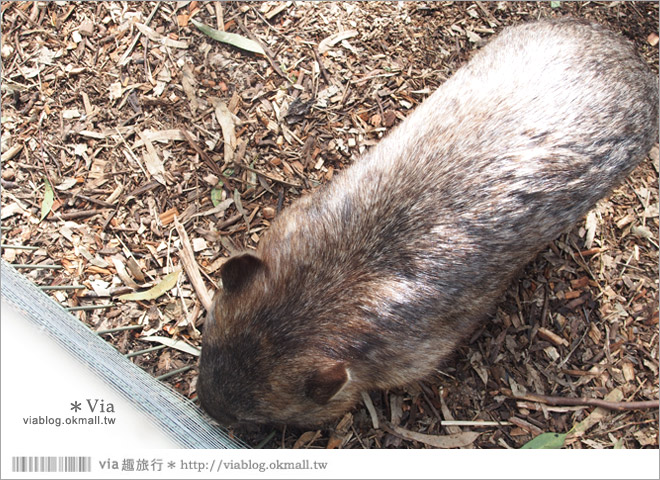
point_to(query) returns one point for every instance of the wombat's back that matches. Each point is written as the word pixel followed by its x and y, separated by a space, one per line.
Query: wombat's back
pixel 372 280
pixel 542 123
pixel 507 154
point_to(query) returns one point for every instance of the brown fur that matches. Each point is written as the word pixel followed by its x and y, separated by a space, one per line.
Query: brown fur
pixel 369 282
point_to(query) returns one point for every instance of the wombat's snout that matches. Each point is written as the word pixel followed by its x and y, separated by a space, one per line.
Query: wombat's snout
pixel 262 376
pixel 371 281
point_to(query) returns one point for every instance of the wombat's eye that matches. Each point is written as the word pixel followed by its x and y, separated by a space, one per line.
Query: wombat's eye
pixel 326 382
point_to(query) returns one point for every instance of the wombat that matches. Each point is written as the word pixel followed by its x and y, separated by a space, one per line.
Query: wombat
pixel 371 281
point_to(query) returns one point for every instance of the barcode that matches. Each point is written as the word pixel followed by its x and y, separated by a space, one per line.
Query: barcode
pixel 51 464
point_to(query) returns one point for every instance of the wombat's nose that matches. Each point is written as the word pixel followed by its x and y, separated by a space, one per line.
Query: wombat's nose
pixel 224 418
pixel 250 427
pixel 215 409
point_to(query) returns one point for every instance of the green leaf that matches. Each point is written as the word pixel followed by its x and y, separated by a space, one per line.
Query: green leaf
pixel 231 38
pixel 546 440
pixel 166 284
pixel 555 4
pixel 49 198
pixel 178 344
pixel 216 194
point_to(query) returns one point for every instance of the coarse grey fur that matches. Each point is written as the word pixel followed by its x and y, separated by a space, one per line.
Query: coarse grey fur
pixel 372 280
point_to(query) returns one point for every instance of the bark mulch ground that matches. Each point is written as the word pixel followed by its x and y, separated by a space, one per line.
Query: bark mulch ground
pixel 135 118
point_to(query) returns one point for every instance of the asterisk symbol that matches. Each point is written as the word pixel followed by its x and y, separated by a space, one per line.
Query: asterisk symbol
pixel 171 465
pixel 75 406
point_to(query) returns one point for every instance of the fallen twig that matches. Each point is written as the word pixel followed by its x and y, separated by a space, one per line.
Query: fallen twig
pixel 229 221
pixel 203 155
pixel 322 69
pixel 473 423
pixel 82 214
pixel 124 58
pixel 190 266
pixel 582 401
pixel 268 55
pixel 269 177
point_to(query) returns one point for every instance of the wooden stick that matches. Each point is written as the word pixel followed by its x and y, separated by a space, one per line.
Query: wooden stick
pixel 204 156
pixel 266 175
pixel 594 402
pixel 230 221
pixel 124 58
pixel 82 214
pixel 191 268
pixel 267 52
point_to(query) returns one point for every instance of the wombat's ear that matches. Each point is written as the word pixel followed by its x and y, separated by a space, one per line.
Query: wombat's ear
pixel 239 271
pixel 326 382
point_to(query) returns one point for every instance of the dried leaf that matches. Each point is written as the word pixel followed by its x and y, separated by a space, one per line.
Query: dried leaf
pixel 454 440
pixel 476 361
pixel 334 39
pixel 172 343
pixel 645 439
pixel 546 440
pixel 219 209
pixel 237 41
pixel 91 134
pixel 12 209
pixel 100 287
pixel 238 203
pixel 135 269
pixel 227 121
pixel 163 136
pixel 216 195
pixel 49 198
pixel 165 285
pixel 153 163
pixel 123 274
pixel 158 38
pixel 642 232
pixel 590 226
pixel 594 417
pixel 96 175
pixel 472 37
pixel 628 371
pixel 372 410
pixel 188 83
pixel 66 184
pixel 95 260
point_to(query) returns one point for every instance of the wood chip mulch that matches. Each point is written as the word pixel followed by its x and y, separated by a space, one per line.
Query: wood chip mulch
pixel 138 120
